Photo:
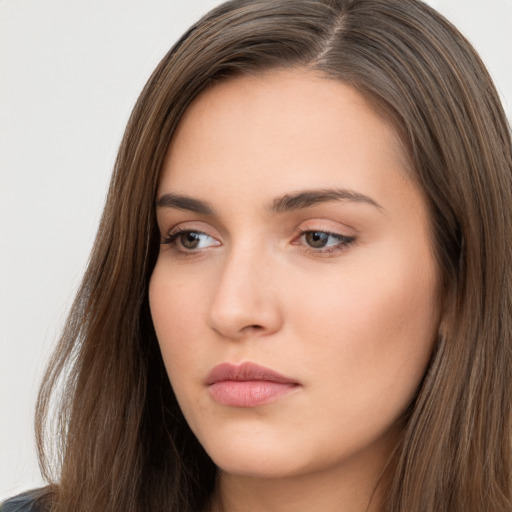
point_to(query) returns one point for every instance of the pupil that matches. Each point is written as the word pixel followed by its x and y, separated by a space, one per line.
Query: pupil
pixel 317 239
pixel 190 240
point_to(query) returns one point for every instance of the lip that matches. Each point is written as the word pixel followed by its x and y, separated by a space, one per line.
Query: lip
pixel 247 385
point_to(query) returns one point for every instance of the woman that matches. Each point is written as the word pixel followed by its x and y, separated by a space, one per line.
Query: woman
pixel 307 233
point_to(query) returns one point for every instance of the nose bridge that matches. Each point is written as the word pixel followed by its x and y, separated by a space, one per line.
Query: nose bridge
pixel 245 299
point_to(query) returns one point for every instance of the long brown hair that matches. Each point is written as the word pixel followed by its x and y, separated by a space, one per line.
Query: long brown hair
pixel 119 441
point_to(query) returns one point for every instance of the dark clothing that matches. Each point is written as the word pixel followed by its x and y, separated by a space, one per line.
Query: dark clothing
pixel 26 502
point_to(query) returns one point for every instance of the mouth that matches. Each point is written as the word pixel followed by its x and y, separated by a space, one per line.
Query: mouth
pixel 247 385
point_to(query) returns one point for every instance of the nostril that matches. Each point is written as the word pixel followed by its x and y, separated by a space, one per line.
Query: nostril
pixel 253 327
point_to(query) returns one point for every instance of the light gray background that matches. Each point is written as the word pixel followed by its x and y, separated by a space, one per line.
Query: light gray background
pixel 70 72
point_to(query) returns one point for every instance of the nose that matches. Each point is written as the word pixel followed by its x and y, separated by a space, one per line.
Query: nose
pixel 245 301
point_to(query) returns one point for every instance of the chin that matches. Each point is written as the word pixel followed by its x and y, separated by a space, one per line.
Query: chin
pixel 258 465
pixel 250 456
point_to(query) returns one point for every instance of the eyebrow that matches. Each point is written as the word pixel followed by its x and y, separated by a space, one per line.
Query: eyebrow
pixel 289 202
pixel 308 198
pixel 186 203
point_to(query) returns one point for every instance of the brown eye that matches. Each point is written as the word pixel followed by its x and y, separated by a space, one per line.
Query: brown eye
pixel 323 242
pixel 190 239
pixel 316 239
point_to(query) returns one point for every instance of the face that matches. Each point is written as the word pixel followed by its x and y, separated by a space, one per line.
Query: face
pixel 295 296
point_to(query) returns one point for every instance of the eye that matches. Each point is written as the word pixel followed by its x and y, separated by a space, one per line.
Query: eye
pixel 323 241
pixel 189 240
pixel 319 239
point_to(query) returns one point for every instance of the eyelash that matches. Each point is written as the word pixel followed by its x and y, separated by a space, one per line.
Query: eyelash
pixel 172 239
pixel 343 244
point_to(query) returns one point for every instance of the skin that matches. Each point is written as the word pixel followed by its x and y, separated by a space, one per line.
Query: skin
pixel 353 323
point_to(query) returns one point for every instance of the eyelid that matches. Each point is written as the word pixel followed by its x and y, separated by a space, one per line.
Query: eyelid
pixel 326 226
pixel 196 226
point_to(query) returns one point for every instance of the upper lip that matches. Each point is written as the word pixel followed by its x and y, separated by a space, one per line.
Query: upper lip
pixel 245 372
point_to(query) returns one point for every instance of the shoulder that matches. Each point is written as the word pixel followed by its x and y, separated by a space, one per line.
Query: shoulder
pixel 26 502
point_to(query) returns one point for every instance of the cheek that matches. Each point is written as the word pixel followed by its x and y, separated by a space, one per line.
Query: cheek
pixel 371 328
pixel 176 312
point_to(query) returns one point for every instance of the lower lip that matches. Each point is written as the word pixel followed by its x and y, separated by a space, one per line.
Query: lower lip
pixel 250 393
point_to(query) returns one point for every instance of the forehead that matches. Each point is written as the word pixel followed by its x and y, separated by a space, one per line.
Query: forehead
pixel 282 128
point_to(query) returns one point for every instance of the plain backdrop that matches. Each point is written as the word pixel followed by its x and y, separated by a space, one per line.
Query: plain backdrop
pixel 70 72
